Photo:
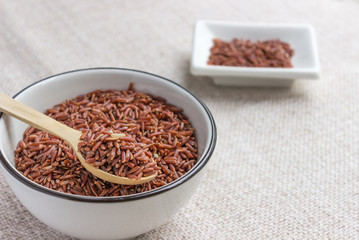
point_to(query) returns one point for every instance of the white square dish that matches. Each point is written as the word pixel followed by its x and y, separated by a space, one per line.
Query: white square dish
pixel 300 37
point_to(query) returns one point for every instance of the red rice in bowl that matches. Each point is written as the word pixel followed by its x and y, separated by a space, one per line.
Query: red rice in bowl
pixel 158 137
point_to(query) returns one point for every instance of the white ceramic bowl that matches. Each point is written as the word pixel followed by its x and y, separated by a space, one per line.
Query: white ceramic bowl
pixel 300 37
pixel 105 217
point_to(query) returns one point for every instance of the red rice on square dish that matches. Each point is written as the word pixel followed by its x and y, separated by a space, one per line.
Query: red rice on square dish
pixel 246 53
pixel 158 138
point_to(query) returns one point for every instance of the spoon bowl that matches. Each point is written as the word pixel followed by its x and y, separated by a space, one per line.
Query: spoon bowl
pixel 71 136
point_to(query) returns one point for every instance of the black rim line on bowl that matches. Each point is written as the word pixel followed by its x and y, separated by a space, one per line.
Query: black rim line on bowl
pixel 190 174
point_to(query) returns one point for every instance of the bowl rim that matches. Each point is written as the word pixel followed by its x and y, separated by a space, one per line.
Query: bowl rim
pixel 205 158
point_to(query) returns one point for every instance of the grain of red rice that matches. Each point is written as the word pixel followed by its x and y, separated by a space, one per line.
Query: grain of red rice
pixel 158 138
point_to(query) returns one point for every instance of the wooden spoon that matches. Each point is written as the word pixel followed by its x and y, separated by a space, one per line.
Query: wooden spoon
pixel 36 119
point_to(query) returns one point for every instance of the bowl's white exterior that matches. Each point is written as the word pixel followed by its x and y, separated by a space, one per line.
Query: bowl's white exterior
pixel 112 220
pixel 103 219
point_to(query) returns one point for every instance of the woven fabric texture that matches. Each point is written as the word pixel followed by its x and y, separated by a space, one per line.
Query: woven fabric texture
pixel 286 165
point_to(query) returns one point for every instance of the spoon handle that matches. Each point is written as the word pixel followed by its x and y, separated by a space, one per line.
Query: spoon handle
pixel 36 119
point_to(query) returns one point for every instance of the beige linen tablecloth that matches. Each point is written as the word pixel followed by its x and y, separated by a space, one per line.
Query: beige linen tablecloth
pixel 286 165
